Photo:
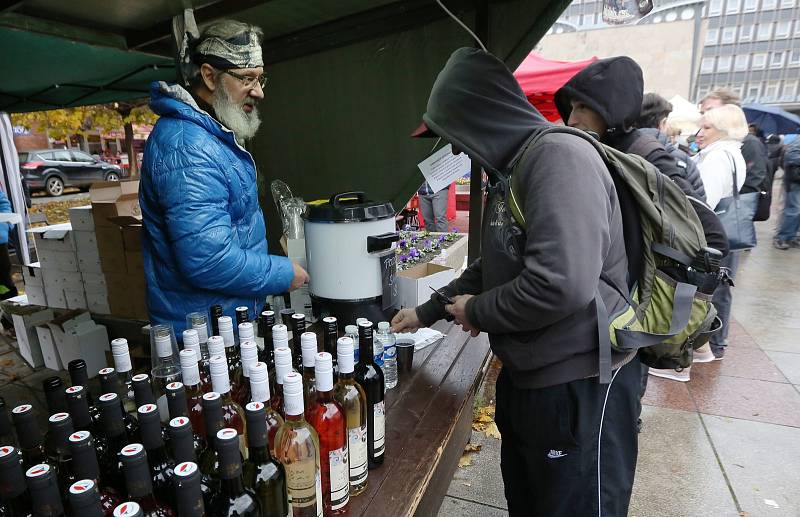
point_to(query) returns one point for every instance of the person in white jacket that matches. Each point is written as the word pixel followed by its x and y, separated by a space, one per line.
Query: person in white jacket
pixel 722 130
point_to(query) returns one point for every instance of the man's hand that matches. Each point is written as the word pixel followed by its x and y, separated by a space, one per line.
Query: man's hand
pixel 406 321
pixel 458 309
pixel 300 277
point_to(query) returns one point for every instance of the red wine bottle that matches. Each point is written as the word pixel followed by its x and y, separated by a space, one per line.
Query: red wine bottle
pixel 116 437
pixel 79 376
pixel 370 376
pixel 78 407
pixel 233 498
pixel 30 437
pixel 85 466
pixel 188 491
pixel 328 418
pixel 139 482
pixel 143 390
pixel 54 395
pixel 6 428
pixel 262 474
pixel 111 382
pixel 59 427
pixel 161 465
pixel 45 495
pixel 184 450
pixel 13 490
pixel 84 499
pixel 209 460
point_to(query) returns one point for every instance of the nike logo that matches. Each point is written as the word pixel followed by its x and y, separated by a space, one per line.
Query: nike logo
pixel 553 454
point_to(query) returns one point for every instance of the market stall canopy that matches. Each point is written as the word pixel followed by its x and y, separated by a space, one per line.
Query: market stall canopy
pixel 685 115
pixel 540 78
pixel 349 79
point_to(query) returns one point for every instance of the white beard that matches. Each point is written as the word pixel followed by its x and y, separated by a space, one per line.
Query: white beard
pixel 231 115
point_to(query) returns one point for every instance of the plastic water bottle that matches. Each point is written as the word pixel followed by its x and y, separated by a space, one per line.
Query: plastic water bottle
pixel 387 340
pixel 351 331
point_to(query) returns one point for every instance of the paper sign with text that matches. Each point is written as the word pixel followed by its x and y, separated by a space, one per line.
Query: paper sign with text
pixel 443 168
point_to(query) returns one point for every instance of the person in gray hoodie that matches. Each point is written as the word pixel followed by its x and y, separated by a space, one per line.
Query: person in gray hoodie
pixel 569 443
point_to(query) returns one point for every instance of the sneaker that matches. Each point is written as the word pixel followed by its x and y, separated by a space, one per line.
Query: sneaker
pixel 719 353
pixel 703 354
pixel 781 245
pixel 673 375
pixel 794 243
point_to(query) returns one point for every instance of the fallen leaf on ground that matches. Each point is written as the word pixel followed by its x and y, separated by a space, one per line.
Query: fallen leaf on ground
pixel 465 461
pixel 492 431
pixel 472 447
pixel 744 514
pixel 466 484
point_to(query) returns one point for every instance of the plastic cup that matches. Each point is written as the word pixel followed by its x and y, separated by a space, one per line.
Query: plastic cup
pixel 405 356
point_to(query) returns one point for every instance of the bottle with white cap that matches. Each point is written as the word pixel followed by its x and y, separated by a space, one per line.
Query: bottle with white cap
pixel 132 509
pixel 193 384
pixel 121 354
pixel 351 397
pixel 166 365
pixel 328 418
pixel 232 413
pixel 297 448
pixel 308 347
pixel 232 353
pixel 260 393
pixel 351 331
pixel 283 366
pixel 386 340
pixel 198 322
pixel 249 351
pixel 191 341
pixel 280 339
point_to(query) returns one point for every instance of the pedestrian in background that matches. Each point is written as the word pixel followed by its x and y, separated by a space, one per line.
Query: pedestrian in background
pixel 434 207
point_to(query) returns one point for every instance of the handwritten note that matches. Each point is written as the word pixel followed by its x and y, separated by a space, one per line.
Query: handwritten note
pixel 442 167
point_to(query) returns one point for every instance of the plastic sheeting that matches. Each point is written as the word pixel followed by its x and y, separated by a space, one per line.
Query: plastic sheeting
pixel 12 184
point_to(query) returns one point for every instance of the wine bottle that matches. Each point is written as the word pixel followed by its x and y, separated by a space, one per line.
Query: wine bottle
pixel 262 474
pixel 84 499
pixel 54 395
pixel 13 490
pixel 191 341
pixel 286 317
pixel 233 498
pixel 142 390
pixel 188 490
pixel 209 460
pixel 308 347
pixel 59 427
pixel 370 376
pixel 330 334
pixel 129 509
pixel 280 339
pixel 177 403
pixel 43 487
pixel 139 483
pixel 232 413
pixel 85 466
pixel 78 408
pixel 351 331
pixel 116 437
pixel 259 390
pixel 328 418
pixel 249 352
pixel 124 367
pixel 215 312
pixel 198 322
pixel 297 448
pixel 79 376
pixel 111 382
pixel 6 429
pixel 349 394
pixel 193 384
pixel 30 437
pixel 298 327
pixel 184 449
pixel 283 366
pixel 232 354
pixel 161 465
pixel 242 316
pixel 265 322
pixel 166 367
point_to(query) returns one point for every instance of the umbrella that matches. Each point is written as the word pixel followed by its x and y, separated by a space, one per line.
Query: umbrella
pixel 771 119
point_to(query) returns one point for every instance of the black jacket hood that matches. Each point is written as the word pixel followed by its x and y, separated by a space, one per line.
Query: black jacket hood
pixel 612 87
pixel 477 105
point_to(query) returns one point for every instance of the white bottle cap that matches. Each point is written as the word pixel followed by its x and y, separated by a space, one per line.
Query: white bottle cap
pixel 359 321
pixel 220 382
pixel 323 371
pixel 201 327
pixel 283 363
pixel 127 509
pixel 344 354
pixel 216 346
pixel 246 332
pixel 280 336
pixel 351 329
pixel 191 340
pixel 293 394
pixel 226 331
pixel 259 383
pixel 308 347
pixel 249 356
pixel 189 368
pixel 383 325
pixel 163 344
pixel 121 355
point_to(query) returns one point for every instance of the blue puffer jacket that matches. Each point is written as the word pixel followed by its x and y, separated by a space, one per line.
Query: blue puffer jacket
pixel 5 228
pixel 204 239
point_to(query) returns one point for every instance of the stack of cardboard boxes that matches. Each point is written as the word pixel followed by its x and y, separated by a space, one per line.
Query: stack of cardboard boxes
pixel 57 270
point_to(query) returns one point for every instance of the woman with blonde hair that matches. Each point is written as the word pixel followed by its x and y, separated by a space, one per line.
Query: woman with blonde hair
pixel 720 140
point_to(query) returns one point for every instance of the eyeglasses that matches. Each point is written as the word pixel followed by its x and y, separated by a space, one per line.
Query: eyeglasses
pixel 248 81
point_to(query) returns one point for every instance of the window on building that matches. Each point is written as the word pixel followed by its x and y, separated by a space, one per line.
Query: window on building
pixel 759 61
pixel 787 4
pixel 728 35
pixel 712 36
pixel 707 65
pixel 746 33
pixel 724 64
pixel 769 4
pixel 753 92
pixel 742 60
pixel 765 31
pixel 789 91
pixel 794 58
pixel 750 5
pixel 783 29
pixel 715 7
pixel 733 6
pixel 771 93
pixel 778 59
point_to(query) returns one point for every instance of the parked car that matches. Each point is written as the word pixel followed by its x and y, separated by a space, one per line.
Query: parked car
pixel 52 170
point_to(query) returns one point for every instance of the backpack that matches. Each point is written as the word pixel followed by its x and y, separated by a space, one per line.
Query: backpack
pixel 668 311
pixel 791 156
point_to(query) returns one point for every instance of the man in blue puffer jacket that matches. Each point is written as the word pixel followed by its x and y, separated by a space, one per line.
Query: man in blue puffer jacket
pixel 204 238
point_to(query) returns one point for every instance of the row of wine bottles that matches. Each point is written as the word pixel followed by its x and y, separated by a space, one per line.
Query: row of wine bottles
pixel 303 449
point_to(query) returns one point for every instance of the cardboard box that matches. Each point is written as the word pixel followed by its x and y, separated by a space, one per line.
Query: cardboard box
pixel 36 295
pixel 81 218
pixel 94 281
pixel 76 336
pixel 76 298
pixel 134 263
pixel 26 318
pixel 86 242
pixel 63 279
pixel 55 296
pixel 90 265
pixel 49 352
pixel 109 240
pixel 132 235
pixel 58 260
pixel 414 283
pixel 114 199
pixel 32 275
pixel 98 302
pixel 57 237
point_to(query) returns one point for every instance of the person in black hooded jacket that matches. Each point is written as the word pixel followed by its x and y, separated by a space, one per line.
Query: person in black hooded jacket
pixel 569 442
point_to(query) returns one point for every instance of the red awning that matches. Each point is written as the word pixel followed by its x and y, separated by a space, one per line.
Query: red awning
pixel 540 78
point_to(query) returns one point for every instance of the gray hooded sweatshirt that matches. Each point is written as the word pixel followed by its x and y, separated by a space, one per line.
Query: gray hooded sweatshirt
pixel 535 286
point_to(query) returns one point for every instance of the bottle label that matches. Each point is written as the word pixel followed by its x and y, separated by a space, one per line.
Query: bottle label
pixel 302 483
pixel 379 428
pixel 340 478
pixel 389 352
pixel 357 441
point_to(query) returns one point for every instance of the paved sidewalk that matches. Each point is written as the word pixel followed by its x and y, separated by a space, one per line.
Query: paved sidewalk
pixel 727 443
